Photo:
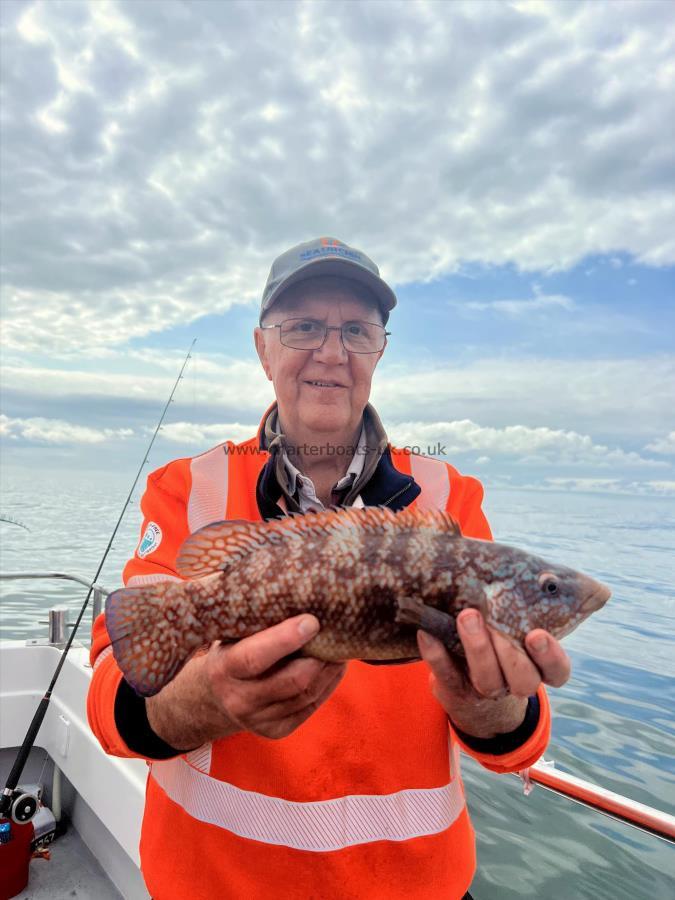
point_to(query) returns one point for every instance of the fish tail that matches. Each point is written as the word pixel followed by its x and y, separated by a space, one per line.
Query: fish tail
pixel 150 632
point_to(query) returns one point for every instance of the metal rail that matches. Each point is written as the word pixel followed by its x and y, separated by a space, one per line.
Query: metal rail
pixel 99 593
pixel 639 815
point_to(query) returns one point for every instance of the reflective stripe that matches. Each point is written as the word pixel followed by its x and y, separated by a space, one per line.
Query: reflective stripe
pixel 200 758
pixel 104 654
pixel 433 477
pixel 316 826
pixel 156 578
pixel 208 496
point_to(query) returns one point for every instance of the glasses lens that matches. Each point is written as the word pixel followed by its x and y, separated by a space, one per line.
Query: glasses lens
pixel 309 334
pixel 362 337
pixel 302 334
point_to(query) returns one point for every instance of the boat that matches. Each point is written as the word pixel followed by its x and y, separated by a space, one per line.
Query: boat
pixel 94 802
pixel 88 806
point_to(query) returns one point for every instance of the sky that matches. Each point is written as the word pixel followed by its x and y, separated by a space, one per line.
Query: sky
pixel 509 166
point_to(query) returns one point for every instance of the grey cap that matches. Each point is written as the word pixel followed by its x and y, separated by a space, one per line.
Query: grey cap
pixel 325 256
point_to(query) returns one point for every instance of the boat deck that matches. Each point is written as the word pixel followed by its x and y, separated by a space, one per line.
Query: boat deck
pixel 72 871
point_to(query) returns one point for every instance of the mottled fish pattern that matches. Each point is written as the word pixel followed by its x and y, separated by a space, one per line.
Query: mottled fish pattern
pixel 372 578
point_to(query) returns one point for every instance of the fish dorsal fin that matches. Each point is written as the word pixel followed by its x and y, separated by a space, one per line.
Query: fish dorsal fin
pixel 429 518
pixel 218 545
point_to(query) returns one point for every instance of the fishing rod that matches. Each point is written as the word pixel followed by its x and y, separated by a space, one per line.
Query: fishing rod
pixel 10 795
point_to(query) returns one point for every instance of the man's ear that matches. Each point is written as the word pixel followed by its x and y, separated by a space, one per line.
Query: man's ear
pixel 261 350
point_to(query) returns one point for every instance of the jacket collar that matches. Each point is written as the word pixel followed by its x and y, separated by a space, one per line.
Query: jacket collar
pixel 383 486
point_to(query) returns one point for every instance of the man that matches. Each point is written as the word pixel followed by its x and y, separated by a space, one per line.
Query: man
pixel 284 777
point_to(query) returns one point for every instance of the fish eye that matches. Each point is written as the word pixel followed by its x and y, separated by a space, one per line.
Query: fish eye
pixel 549 584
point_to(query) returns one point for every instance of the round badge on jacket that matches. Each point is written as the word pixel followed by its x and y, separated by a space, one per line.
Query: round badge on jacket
pixel 150 541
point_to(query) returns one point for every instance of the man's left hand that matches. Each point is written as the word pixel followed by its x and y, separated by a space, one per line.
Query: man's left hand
pixel 489 695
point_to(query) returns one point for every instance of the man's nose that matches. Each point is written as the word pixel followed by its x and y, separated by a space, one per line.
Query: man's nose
pixel 332 350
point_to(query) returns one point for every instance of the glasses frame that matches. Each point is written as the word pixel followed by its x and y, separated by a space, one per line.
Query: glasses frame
pixel 328 328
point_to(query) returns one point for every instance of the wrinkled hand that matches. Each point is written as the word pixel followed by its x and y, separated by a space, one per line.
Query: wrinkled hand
pixel 489 695
pixel 259 693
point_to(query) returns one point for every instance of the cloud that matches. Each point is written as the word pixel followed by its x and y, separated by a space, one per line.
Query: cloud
pixel 156 159
pixel 600 485
pixel 665 445
pixel 621 397
pixel 203 435
pixel 516 308
pixel 56 431
pixel 221 382
pixel 611 486
pixel 527 445
pixel 662 487
pixel 586 396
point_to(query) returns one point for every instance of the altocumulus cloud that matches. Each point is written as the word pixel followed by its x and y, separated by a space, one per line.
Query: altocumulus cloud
pixel 526 444
pixel 156 156
pixel 56 431
pixel 613 486
pixel 665 445
pixel 203 435
pixel 459 437
pixel 559 394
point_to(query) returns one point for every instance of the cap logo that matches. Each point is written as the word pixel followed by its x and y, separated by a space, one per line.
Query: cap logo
pixel 331 249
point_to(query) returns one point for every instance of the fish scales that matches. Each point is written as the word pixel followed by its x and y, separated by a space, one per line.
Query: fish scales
pixel 371 577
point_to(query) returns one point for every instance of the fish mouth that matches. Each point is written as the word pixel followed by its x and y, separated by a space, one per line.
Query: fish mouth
pixel 596 599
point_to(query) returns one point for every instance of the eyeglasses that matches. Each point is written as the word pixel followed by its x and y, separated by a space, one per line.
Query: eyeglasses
pixel 310 334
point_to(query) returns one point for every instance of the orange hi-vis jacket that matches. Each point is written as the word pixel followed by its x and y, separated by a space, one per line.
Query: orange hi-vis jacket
pixel 364 800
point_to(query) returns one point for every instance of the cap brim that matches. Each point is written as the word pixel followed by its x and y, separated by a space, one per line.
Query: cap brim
pixel 343 268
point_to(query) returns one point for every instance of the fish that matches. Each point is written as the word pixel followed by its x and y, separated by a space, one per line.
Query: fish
pixel 372 578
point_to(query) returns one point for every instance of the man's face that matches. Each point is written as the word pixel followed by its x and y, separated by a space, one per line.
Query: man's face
pixel 322 390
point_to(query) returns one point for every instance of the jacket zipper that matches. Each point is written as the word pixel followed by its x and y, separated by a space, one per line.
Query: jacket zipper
pixel 397 494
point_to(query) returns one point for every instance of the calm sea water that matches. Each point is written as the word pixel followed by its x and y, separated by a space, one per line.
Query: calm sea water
pixel 613 722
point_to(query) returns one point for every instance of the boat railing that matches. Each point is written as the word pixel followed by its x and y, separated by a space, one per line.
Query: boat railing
pixel 58 619
pixel 653 821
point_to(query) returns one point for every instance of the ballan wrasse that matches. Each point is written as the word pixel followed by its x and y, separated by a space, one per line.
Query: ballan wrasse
pixel 371 577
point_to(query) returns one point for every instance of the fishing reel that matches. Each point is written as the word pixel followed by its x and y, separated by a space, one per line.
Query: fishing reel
pixel 21 804
pixel 24 805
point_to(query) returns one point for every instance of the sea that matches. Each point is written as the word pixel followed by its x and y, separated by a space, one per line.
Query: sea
pixel 613 722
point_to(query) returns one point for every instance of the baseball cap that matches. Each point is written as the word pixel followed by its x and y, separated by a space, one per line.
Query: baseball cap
pixel 325 256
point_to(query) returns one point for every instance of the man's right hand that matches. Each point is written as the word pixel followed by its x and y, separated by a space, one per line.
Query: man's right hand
pixel 245 687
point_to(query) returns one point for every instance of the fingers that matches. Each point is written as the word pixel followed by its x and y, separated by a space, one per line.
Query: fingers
pixel 497 667
pixel 544 661
pixel 482 661
pixel 277 720
pixel 550 658
pixel 520 674
pixel 253 655
pixel 443 667
pixel 260 690
pixel 298 678
pixel 310 698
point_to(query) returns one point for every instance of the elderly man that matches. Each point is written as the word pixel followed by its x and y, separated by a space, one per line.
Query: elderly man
pixel 274 775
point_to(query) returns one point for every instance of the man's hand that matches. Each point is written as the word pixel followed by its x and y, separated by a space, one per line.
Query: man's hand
pixel 259 695
pixel 489 697
pixel 245 687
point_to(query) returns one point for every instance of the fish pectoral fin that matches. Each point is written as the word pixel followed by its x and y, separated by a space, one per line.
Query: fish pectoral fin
pixel 411 611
